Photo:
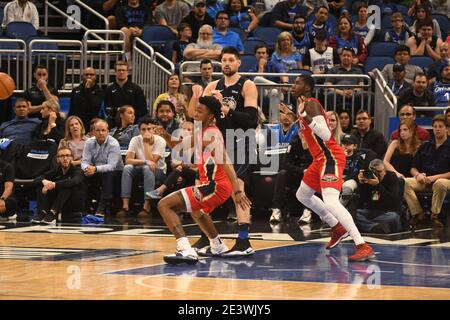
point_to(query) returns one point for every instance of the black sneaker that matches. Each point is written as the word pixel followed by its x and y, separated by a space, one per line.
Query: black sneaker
pixel 201 243
pixel 50 218
pixel 188 256
pixel 39 217
pixel 241 248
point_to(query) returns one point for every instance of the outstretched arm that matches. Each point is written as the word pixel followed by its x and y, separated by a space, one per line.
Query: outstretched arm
pixel 311 112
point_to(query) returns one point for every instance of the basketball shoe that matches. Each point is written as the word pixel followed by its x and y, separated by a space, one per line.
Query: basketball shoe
pixel 338 233
pixel 241 248
pixel 363 252
pixel 188 256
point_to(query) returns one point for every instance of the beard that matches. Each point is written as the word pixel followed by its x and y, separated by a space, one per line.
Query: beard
pixel 229 72
pixel 204 44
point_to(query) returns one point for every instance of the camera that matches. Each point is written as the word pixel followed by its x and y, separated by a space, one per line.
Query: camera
pixel 368 174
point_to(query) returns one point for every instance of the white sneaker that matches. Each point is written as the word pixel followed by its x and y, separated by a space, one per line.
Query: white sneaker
pixel 9 218
pixel 188 256
pixel 306 216
pixel 213 251
pixel 276 215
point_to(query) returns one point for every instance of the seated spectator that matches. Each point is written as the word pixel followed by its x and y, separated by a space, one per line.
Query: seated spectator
pixel 102 164
pixel 124 92
pixel 74 139
pixel 173 94
pixel 126 129
pixel 400 31
pixel 53 122
pixel 439 7
pixel 302 41
pixel 361 27
pixel 213 7
pixel 418 94
pixel 321 58
pixel 345 119
pixel 287 128
pixel 20 129
pixel 415 3
pixel 86 99
pixel 379 205
pixel 165 116
pixel 425 43
pixel 402 56
pixel 431 172
pixel 441 89
pixel 434 71
pixel 20 10
pixel 408 112
pixel 369 138
pixel 170 13
pixel 204 48
pixel 109 11
pixel 145 157
pixel 447 116
pixel 284 12
pixel 91 132
pixel 423 12
pixel 62 191
pixel 320 22
pixel 8 205
pixel 346 38
pixel 285 53
pixel 181 110
pixel 198 17
pixel 398 84
pixel 206 71
pixel 131 19
pixel 335 126
pixel 400 153
pixel 242 17
pixel 40 91
pixel 184 39
pixel 337 7
pixel 225 37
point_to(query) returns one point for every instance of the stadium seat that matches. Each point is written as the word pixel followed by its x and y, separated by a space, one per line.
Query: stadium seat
pixel 1 14
pixel 247 62
pixel 444 23
pixel 382 49
pixel 156 36
pixel 402 9
pixel 423 62
pixel 268 35
pixel 20 30
pixel 240 32
pixel 251 44
pixel 377 62
pixel 168 48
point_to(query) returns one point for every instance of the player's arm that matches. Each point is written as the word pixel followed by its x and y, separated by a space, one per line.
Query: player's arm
pixel 197 92
pixel 311 112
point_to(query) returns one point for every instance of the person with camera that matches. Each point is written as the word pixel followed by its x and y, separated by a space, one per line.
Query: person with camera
pixel 378 208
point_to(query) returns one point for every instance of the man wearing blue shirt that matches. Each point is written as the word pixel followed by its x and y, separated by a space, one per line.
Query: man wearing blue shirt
pixel 320 22
pixel 284 12
pixel 225 37
pixel 441 89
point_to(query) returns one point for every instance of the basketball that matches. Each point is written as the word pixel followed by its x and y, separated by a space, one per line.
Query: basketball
pixel 7 86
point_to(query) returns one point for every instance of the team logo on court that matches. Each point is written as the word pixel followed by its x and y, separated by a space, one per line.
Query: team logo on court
pixel 329 178
pixel 197 194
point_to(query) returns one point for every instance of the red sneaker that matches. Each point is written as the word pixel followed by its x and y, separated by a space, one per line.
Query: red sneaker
pixel 338 233
pixel 363 252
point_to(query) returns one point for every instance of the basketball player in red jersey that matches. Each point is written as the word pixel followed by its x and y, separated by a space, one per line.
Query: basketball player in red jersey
pixel 218 181
pixel 324 175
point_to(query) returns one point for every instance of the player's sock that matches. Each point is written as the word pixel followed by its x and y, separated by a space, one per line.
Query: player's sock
pixel 183 244
pixel 332 203
pixel 243 230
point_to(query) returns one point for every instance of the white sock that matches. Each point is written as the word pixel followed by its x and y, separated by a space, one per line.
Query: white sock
pixel 183 244
pixel 332 203
pixel 215 242
pixel 306 196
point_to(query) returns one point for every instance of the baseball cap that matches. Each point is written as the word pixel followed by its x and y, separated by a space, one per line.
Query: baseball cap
pixel 199 1
pixel 349 139
pixel 398 67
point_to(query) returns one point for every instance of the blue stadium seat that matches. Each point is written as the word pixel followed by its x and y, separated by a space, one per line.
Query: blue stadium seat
pixel 444 23
pixel 402 9
pixel 1 14
pixel 382 49
pixel 247 62
pixel 268 35
pixel 20 30
pixel 156 36
pixel 423 62
pixel 377 62
pixel 240 32
pixel 251 44
pixel 168 48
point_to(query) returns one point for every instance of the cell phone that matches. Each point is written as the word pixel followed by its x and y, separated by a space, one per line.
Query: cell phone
pixel 368 174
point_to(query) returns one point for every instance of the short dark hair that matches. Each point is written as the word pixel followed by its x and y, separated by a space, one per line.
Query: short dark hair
pixel 20 99
pixel 402 48
pixel 40 66
pixel 408 105
pixel 182 26
pixel 259 46
pixel 222 12
pixel 347 49
pixel 420 74
pixel 147 120
pixel 308 80
pixel 165 103
pixel 427 22
pixel 64 148
pixel 300 16
pixel 362 111
pixel 322 7
pixel 212 104
pixel 205 61
pixel 230 50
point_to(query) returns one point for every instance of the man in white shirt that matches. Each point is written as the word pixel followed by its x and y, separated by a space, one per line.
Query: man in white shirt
pixel 21 10
pixel 145 156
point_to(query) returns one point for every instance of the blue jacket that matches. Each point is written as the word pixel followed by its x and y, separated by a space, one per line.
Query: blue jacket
pixel 19 130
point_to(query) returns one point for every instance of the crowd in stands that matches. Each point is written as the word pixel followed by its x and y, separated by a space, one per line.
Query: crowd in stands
pixel 107 145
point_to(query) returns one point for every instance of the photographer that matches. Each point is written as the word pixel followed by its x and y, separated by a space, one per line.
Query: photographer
pixel 379 199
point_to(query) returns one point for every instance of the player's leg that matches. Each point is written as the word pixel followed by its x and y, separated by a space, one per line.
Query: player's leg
pixel 206 224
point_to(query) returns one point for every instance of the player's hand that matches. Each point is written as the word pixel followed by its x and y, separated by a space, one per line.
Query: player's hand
pixel 160 131
pixel 197 91
pixel 52 117
pixel 301 104
pixel 217 94
pixel 242 200
pixel 41 84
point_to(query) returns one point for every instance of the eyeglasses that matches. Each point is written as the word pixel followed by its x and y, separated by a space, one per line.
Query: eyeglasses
pixel 205 34
pixel 406 114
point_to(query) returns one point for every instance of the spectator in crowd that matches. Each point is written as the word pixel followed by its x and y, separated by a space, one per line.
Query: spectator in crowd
pixel 320 22
pixel 86 99
pixel 361 27
pixel 20 11
pixel 379 207
pixel 184 39
pixel 369 138
pixel 346 38
pixel 8 204
pixel 440 7
pixel 40 91
pixel 302 41
pixel 287 128
pixel 165 116
pixel 402 56
pixel 434 71
pixel 74 139
pixel 400 31
pixel 335 126
pixel 198 17
pixel 170 13
pixel 124 92
pixel 418 94
pixel 398 84
pixel 53 122
pixel 145 157
pixel 321 58
pixel 285 53
pixel 181 112
pixel 109 11
pixel 447 117
pixel 206 71
pixel 131 19
pixel 173 94
pixel 425 43
pixel 20 129
pixel 126 129
pixel 337 7
pixel 214 6
pixel 242 17
pixel 400 153
pixel 423 12
pixel 345 118
pixel 430 172
pixel 407 111
pixel 225 37
pixel 441 89
pixel 415 3
pixel 102 164
pixel 204 48
pixel 62 192
pixel 284 12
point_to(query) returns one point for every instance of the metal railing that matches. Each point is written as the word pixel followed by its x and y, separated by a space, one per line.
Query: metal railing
pixel 95 13
pixel 13 61
pixel 385 103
